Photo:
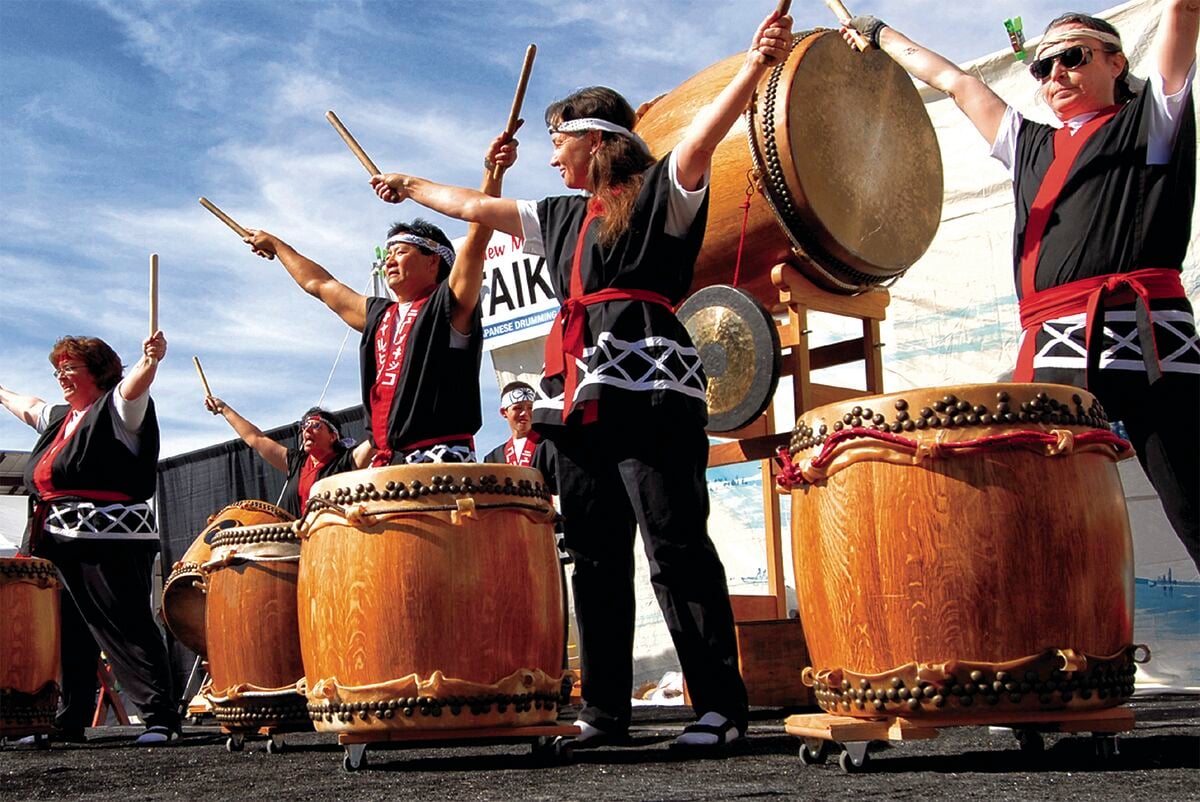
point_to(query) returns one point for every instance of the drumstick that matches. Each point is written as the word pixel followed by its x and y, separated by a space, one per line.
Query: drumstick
pixel 783 8
pixel 153 297
pixel 844 17
pixel 518 100
pixel 224 218
pixel 204 381
pixel 351 143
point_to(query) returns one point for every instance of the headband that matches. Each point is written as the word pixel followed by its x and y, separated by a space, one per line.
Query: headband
pixel 1077 32
pixel 597 124
pixel 517 394
pixel 323 419
pixel 421 242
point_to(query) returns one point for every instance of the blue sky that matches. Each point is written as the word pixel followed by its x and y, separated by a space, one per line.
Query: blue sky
pixel 117 115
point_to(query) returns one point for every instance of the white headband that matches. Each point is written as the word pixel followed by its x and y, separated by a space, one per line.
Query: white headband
pixel 517 394
pixel 421 242
pixel 597 124
pixel 1077 32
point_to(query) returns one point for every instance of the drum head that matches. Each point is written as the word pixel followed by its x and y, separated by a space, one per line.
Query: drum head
pixel 853 164
pixel 739 346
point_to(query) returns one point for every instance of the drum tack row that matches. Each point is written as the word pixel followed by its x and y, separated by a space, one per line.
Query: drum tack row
pixel 962 556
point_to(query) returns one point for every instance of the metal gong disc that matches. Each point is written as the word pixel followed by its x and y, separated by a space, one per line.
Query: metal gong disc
pixel 739 346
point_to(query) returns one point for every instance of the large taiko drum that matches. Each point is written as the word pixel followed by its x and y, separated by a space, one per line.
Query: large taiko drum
pixel 250 627
pixel 430 599
pixel 846 170
pixel 963 551
pixel 29 646
pixel 183 593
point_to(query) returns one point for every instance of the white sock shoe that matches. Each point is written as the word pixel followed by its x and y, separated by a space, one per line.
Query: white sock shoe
pixel 712 729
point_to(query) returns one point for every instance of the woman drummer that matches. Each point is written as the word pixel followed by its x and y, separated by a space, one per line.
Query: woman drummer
pixel 90 474
pixel 623 398
pixel 321 451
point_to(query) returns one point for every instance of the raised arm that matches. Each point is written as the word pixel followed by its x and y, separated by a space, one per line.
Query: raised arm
pixel 142 374
pixel 466 277
pixel 347 304
pixel 460 203
pixel 693 155
pixel 274 453
pixel 26 408
pixel 974 98
pixel 1177 42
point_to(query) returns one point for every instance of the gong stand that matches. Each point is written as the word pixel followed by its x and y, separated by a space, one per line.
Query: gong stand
pixel 767 639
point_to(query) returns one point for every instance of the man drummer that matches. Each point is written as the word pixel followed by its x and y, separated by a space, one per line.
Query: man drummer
pixel 420 355
pixel 1103 220
pixel 525 447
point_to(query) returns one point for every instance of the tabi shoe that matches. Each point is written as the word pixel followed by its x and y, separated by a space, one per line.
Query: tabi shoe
pixel 712 734
pixel 592 737
pixel 156 735
pixel 71 735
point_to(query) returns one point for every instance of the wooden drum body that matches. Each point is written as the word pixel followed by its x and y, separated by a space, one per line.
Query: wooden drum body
pixel 963 551
pixel 844 157
pixel 183 593
pixel 30 632
pixel 430 598
pixel 250 623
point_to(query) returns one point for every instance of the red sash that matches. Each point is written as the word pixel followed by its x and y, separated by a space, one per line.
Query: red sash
pixel 1091 296
pixel 309 473
pixel 1067 147
pixel 525 458
pixel 390 345
pixel 565 343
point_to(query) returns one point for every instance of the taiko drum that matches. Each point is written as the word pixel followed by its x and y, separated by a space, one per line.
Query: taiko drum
pixel 183 593
pixel 430 598
pixel 30 640
pixel 250 620
pixel 963 551
pixel 837 158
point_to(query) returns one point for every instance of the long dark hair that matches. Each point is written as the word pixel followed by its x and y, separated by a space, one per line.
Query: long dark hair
pixel 1123 91
pixel 616 169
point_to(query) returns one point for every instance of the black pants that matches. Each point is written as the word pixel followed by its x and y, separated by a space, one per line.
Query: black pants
pixel 647 472
pixel 1161 420
pixel 1163 423
pixel 106 605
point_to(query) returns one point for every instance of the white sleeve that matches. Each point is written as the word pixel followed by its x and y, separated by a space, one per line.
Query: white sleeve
pixel 43 418
pixel 1165 112
pixel 1004 149
pixel 531 228
pixel 682 204
pixel 128 418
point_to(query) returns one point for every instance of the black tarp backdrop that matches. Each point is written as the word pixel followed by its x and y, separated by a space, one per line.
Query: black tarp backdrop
pixel 193 486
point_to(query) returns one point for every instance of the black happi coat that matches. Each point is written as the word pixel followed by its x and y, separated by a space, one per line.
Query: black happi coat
pixel 94 458
pixel 625 337
pixel 438 392
pixel 342 461
pixel 1116 213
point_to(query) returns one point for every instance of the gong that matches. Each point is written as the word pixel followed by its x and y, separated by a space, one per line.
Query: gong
pixel 739 346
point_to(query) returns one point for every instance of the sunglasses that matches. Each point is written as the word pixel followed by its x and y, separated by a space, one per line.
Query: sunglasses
pixel 1071 58
pixel 312 425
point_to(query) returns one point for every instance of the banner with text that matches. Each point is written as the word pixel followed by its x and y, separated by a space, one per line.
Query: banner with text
pixel 517 298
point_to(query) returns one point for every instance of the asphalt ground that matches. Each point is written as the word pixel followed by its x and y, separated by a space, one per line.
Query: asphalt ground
pixel 1159 760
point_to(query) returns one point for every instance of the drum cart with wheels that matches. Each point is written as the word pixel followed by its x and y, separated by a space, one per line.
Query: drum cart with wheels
pixel 822 734
pixel 236 737
pixel 543 740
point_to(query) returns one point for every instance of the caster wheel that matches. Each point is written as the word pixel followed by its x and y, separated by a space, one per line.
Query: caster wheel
pixel 1030 741
pixel 355 757
pixel 1105 746
pixel 196 721
pixel 233 744
pixel 848 765
pixel 814 756
pixel 275 745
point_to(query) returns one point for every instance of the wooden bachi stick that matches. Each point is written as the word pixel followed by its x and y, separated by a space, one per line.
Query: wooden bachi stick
pixel 844 17
pixel 153 296
pixel 518 100
pixel 224 218
pixel 351 143
pixel 204 381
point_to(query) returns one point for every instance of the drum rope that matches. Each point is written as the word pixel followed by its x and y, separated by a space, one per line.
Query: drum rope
pixel 745 207
pixel 1057 442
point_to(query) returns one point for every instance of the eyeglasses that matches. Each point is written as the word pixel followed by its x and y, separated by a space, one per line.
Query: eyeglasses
pixel 1071 58
pixel 312 425
pixel 67 370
